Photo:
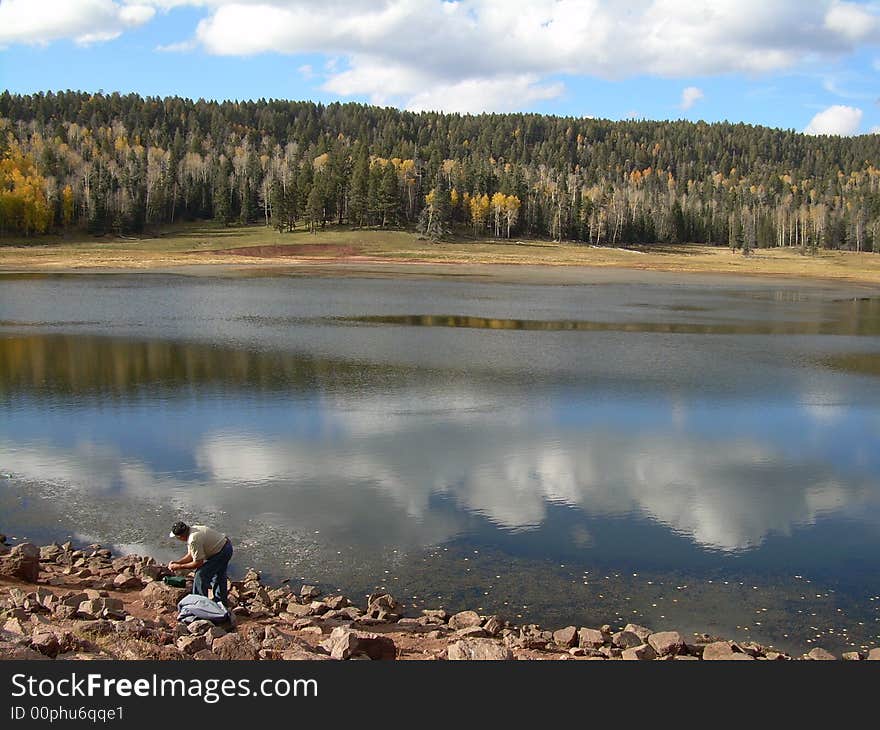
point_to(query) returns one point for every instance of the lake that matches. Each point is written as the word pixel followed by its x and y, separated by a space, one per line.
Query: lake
pixel 690 452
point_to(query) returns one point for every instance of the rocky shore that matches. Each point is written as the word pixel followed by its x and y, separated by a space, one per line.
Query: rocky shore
pixel 65 602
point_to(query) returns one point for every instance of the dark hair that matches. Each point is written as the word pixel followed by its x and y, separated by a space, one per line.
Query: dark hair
pixel 179 529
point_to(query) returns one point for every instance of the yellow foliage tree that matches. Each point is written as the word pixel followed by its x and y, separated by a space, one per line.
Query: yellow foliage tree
pixel 479 205
pixel 24 207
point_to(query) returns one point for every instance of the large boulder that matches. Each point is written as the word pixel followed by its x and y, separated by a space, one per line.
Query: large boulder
pixel 192 645
pixel 160 595
pixel 592 638
pixel 478 650
pixel 345 643
pixel 234 647
pixel 21 563
pixel 667 643
pixel 567 637
pixel 464 620
pixel 627 640
pixel 723 651
pixel 639 653
pixel 822 655
pixel 640 631
pixel 381 606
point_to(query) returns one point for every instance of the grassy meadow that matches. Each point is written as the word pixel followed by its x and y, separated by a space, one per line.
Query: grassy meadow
pixel 247 246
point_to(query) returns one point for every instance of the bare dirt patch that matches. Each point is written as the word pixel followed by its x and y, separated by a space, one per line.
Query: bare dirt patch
pixel 324 250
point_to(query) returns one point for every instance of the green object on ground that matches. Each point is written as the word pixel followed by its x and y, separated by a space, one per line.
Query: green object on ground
pixel 175 580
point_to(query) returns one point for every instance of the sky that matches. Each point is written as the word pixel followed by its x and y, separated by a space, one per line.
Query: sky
pixel 808 65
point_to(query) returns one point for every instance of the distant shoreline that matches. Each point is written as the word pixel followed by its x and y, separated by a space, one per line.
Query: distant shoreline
pixel 256 250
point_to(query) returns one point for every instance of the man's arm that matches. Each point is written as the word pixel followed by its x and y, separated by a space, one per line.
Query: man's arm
pixel 187 562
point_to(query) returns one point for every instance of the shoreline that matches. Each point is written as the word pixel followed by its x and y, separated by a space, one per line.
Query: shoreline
pixel 549 274
pixel 69 603
pixel 198 249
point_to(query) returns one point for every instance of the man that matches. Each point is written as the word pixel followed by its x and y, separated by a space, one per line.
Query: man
pixel 208 554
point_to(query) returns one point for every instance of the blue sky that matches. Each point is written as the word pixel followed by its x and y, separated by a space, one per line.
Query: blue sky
pixel 811 66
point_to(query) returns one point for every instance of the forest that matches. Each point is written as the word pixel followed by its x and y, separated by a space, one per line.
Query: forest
pixel 126 164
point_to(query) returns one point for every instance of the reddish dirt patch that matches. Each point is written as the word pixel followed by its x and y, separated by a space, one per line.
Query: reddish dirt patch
pixel 324 250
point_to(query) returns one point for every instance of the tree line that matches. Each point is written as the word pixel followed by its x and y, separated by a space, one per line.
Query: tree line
pixel 125 163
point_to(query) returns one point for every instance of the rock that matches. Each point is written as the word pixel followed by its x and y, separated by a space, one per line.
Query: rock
pixel 318 607
pixel 297 609
pixel 101 627
pixel 345 643
pixel 114 609
pixel 380 604
pixel 151 572
pixel 723 651
pixel 15 626
pixel 667 643
pixel 46 642
pixel 205 655
pixel 335 603
pixel 191 644
pixel 465 619
pixel 591 638
pixel 643 652
pixel 302 653
pixel 308 593
pixel 639 631
pixel 90 609
pixel 567 637
pixel 775 656
pixel 435 616
pixel 493 625
pixel 73 600
pixel 478 650
pixel 851 656
pixel 160 595
pixel 127 581
pixel 200 626
pixel 22 563
pixel 874 655
pixel 234 647
pixel 822 655
pixel 45 597
pixel 350 613
pixel 50 553
pixel 95 608
pixel 10 650
pixel 472 632
pixel 626 640
pixel 717 650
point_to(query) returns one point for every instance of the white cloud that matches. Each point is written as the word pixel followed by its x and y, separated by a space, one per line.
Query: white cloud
pixel 182 47
pixel 837 120
pixel 84 21
pixel 875 130
pixel 690 96
pixel 489 55
pixel 852 21
pixel 476 55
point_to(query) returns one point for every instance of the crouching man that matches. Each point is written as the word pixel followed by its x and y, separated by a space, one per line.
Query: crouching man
pixel 208 553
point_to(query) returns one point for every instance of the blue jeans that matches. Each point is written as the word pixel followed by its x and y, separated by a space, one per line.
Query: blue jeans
pixel 213 574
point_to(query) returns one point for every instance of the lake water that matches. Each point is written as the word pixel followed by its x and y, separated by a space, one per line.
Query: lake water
pixel 685 452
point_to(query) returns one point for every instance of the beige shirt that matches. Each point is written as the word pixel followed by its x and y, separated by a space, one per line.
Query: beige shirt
pixel 203 542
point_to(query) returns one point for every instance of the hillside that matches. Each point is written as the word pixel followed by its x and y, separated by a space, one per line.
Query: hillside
pixel 123 163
